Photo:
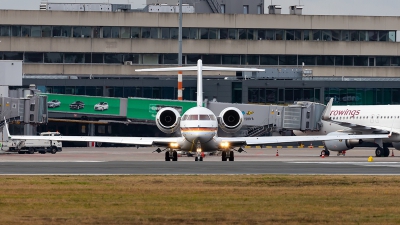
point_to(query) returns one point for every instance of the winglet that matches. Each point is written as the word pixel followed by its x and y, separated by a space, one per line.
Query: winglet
pixel 8 132
pixel 327 111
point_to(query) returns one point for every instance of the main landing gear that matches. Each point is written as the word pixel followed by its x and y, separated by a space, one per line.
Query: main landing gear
pixel 228 155
pixel 325 152
pixel 382 152
pixel 172 154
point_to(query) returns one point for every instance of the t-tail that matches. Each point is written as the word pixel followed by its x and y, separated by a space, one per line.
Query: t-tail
pixel 200 68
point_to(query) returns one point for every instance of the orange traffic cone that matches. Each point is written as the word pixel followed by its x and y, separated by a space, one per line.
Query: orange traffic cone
pixel 277 154
pixel 310 145
pixel 392 153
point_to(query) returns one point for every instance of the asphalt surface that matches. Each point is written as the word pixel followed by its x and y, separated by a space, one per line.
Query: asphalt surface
pixel 113 161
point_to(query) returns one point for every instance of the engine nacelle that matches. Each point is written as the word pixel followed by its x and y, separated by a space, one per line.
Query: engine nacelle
pixel 167 120
pixel 341 145
pixel 396 145
pixel 230 120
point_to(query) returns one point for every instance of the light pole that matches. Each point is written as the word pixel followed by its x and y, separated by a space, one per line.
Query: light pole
pixel 180 95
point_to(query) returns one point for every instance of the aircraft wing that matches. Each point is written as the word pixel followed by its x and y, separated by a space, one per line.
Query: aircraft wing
pixel 240 141
pixel 105 139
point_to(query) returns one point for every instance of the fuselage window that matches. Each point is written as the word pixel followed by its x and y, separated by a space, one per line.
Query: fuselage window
pixel 193 117
pixel 204 117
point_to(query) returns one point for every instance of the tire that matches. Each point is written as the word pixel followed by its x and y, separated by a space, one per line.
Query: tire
pixel 223 156
pixel 174 156
pixel 231 156
pixel 53 150
pixel 379 152
pixel 386 151
pixel 201 158
pixel 31 151
pixel 167 158
pixel 196 159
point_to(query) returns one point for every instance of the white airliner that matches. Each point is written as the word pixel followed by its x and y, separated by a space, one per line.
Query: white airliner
pixel 359 119
pixel 198 127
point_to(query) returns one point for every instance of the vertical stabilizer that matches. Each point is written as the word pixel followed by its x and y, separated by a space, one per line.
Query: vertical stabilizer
pixel 199 83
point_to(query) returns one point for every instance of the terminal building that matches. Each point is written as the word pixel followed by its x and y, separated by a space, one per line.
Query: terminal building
pixel 94 51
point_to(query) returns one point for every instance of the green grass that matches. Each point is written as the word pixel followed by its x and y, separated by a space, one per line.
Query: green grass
pixel 252 199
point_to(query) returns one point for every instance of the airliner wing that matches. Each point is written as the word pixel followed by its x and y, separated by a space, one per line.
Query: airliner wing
pixel 149 141
pixel 239 141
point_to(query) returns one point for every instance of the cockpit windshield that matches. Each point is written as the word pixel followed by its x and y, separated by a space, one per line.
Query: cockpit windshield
pixel 199 117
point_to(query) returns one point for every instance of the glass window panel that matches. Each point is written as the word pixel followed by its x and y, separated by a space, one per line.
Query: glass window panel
pixel 383 35
pixel 88 57
pixel 233 34
pixel 325 60
pixel 74 58
pixel 135 32
pixel 360 61
pixel 192 59
pixel 287 60
pixel 261 34
pixel 289 35
pixel 253 95
pixel 96 32
pixel 307 35
pixel 185 33
pixel 231 59
pixel 308 60
pixel 125 32
pixel 25 31
pixel 392 36
pixel 354 35
pixel 79 90
pixel 170 58
pixel 289 95
pixel 297 94
pixel 174 33
pixel 53 57
pixel 113 58
pixel 33 57
pixel 76 32
pixel 339 60
pixel 326 35
pixel 394 61
pixel 212 59
pixel 372 35
pixel 270 35
pixel 145 32
pixel 115 32
pixel 97 58
pixel 335 35
pixel 86 32
pixel 268 60
pixel 250 34
pixel 165 33
pixel 253 60
pixel 203 33
pixel 13 56
pixel 223 34
pixel 345 35
pixel 262 96
pixel 167 93
pixel 156 92
pixel 57 31
pixel 242 34
pixel 66 31
pixel 134 58
pixel 16 31
pixel 308 94
pixel 212 33
pixel 297 35
pixel 348 60
pixel 194 33
pixel 46 31
pixel 363 35
pixel 36 31
pixel 106 32
pixel 278 35
pixel 395 96
pixel 316 35
pixel 128 92
pixel 4 31
pixel 382 61
pixel 154 33
pixel 271 95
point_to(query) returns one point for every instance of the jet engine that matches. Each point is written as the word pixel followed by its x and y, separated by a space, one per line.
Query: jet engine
pixel 167 120
pixel 341 145
pixel 396 145
pixel 230 120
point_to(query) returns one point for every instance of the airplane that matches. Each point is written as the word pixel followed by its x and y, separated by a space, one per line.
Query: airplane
pixel 359 119
pixel 198 127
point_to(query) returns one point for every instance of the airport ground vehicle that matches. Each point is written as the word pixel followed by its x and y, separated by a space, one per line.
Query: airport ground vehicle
pixel 32 146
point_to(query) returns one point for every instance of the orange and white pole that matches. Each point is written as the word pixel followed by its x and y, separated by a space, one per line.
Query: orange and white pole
pixel 180 93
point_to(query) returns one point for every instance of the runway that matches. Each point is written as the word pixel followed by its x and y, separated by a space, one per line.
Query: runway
pixel 125 161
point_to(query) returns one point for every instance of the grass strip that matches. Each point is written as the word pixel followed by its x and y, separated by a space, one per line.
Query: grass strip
pixel 234 199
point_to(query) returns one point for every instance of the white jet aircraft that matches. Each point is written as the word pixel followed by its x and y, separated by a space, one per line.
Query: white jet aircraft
pixel 359 119
pixel 198 127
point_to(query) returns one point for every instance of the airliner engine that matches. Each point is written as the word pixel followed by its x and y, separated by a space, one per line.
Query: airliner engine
pixel 230 120
pixel 396 145
pixel 167 120
pixel 341 145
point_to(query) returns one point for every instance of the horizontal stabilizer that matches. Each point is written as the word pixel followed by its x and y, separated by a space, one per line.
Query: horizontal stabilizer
pixel 204 68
